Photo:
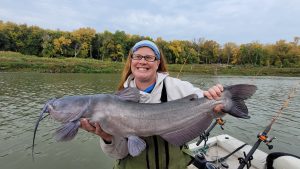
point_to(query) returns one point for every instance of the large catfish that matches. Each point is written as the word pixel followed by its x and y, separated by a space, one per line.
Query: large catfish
pixel 122 115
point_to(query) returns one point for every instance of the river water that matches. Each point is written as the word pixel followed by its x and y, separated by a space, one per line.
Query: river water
pixel 22 96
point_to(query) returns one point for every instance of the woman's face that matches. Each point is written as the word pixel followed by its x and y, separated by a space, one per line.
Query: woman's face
pixel 144 71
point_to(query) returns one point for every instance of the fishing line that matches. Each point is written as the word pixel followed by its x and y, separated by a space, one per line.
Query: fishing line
pixel 181 68
pixel 285 104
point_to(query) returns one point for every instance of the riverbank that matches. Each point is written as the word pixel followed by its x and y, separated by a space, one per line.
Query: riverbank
pixel 16 62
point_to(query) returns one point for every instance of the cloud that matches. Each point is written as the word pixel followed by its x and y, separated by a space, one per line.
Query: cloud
pixel 231 20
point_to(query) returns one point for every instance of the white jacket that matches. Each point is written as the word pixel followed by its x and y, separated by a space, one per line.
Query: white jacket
pixel 175 88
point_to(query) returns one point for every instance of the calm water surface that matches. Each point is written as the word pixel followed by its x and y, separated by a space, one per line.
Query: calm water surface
pixel 22 96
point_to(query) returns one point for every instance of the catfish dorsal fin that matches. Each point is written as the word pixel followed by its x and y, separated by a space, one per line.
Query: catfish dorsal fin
pixel 188 98
pixel 191 97
pixel 129 94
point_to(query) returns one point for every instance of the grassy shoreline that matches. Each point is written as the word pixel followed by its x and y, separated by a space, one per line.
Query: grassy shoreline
pixel 16 62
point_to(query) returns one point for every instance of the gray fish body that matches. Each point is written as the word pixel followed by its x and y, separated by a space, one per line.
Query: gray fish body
pixel 177 121
pixel 128 118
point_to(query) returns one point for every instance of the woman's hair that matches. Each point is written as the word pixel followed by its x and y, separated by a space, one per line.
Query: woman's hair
pixel 162 67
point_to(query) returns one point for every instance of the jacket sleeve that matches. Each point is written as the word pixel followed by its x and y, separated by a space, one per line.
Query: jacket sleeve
pixel 117 149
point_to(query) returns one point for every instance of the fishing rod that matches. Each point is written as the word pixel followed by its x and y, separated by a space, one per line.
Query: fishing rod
pixel 205 134
pixel 263 136
pixel 199 159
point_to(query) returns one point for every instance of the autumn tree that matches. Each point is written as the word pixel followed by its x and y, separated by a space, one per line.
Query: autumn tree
pixel 48 46
pixel 85 42
pixel 229 52
pixel 82 39
pixel 176 49
pixel 61 44
pixel 281 49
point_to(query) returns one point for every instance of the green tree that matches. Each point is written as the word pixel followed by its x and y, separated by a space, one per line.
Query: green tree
pixel 33 41
pixel 96 44
pixel 164 46
pixel 4 41
pixel 210 52
pixel 120 42
pixel 251 53
pixel 47 45
pixel 189 54
pixel 198 47
pixel 107 46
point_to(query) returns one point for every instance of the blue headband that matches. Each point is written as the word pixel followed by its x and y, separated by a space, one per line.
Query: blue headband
pixel 147 43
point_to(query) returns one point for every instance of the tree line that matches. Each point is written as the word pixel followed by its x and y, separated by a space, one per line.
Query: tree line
pixel 87 43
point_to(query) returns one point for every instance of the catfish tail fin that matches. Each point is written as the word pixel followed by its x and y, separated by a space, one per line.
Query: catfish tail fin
pixel 237 94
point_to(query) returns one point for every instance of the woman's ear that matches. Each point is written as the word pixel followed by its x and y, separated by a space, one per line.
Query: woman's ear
pixel 158 62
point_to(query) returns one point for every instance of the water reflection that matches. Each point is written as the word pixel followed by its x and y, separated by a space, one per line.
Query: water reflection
pixel 22 96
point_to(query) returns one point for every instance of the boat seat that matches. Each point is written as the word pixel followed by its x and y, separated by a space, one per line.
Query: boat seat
pixel 280 160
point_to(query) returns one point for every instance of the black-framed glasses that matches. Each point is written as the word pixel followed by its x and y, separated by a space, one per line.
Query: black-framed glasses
pixel 149 58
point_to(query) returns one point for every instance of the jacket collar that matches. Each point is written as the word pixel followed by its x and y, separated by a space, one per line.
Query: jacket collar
pixel 160 76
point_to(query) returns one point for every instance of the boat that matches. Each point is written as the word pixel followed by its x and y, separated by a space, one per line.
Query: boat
pixel 209 155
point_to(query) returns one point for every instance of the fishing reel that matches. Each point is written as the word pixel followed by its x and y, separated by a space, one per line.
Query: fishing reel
pixel 204 136
pixel 262 137
pixel 201 163
pixel 221 122
pixel 267 140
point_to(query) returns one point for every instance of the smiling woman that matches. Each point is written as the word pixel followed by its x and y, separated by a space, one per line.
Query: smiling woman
pixel 153 62
pixel 146 70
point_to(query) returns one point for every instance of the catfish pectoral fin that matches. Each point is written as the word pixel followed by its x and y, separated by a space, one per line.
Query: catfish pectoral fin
pixel 68 131
pixel 135 145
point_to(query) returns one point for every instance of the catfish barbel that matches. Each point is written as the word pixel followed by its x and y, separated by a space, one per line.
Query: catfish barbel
pixel 122 115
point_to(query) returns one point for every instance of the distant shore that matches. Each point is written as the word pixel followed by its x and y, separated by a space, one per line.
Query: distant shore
pixel 16 62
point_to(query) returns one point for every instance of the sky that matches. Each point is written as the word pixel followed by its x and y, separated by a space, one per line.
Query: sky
pixel 238 21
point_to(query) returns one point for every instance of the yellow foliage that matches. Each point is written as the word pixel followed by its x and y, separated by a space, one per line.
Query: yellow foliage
pixel 61 43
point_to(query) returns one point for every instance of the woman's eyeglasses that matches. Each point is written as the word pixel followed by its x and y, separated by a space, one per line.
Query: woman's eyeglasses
pixel 149 58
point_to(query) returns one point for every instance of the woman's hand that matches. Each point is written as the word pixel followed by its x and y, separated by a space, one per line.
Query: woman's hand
pixel 96 129
pixel 215 93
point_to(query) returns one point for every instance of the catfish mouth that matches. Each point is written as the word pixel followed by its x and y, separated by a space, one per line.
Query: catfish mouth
pixel 41 117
